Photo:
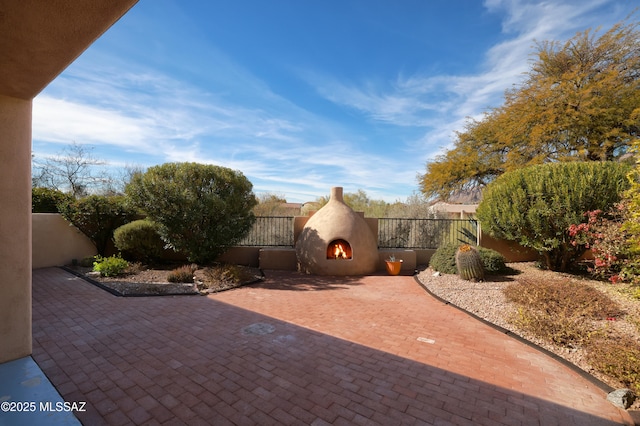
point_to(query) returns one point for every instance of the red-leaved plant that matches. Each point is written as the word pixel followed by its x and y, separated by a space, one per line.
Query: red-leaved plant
pixel 605 236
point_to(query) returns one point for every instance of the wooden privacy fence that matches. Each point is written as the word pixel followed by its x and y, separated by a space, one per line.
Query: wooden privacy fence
pixel 278 231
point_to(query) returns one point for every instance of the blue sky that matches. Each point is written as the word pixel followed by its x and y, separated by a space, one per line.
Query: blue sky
pixel 301 95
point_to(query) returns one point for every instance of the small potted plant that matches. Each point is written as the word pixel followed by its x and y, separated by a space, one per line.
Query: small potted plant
pixel 393 265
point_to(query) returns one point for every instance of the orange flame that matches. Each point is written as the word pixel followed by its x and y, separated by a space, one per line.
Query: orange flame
pixel 339 252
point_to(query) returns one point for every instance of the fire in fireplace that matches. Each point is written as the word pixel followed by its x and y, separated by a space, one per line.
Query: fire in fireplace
pixel 338 250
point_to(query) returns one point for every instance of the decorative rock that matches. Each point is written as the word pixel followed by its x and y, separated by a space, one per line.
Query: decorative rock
pixel 622 398
pixel 436 274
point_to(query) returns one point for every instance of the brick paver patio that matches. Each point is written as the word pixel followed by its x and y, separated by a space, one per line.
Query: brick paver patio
pixel 297 350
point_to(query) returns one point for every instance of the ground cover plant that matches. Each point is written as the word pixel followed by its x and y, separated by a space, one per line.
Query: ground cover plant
pixel 226 276
pixel 593 324
pixel 574 315
pixel 562 312
pixel 111 266
pixel 617 357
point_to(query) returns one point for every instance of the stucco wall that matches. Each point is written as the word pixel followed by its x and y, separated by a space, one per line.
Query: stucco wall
pixel 15 228
pixel 55 242
pixel 511 251
pixel 38 40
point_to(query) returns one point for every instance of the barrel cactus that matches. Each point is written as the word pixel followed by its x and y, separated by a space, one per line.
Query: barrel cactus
pixel 469 263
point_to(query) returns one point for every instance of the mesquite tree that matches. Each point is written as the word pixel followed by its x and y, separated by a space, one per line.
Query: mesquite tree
pixel 535 206
pixel 580 101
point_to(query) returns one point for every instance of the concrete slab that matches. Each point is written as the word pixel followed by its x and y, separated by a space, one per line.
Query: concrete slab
pixel 28 398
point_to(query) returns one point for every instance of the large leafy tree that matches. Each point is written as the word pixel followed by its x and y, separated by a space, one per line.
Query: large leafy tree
pixel 579 102
pixel 200 209
pixel 535 205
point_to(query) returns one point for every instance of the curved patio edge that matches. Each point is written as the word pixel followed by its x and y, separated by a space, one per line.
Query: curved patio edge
pixel 635 414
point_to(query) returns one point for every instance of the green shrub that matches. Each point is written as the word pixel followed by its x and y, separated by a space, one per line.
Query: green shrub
pixel 493 262
pixel 535 206
pixel 444 260
pixel 97 216
pixel 201 210
pixel 183 274
pixel 46 200
pixel 139 240
pixel 110 266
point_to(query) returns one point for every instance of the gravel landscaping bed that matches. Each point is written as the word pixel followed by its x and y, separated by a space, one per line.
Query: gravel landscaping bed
pixel 154 282
pixel 487 301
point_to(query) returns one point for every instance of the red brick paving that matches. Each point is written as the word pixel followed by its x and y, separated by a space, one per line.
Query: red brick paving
pixel 297 350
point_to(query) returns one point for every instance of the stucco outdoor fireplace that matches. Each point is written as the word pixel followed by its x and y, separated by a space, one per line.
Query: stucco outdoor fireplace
pixel 337 241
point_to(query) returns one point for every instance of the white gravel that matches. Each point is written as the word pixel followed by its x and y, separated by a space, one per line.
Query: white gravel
pixel 484 299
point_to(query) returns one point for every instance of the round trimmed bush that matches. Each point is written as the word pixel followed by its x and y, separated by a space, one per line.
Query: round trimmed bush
pixel 201 209
pixel 493 262
pixel 444 259
pixel 139 240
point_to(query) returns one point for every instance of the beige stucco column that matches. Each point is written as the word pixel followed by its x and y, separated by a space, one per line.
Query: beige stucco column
pixel 15 228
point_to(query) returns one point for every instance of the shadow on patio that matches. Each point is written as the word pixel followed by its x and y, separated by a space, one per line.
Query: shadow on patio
pixel 379 352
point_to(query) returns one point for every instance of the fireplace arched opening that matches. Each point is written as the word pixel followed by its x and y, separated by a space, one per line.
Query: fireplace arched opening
pixel 339 250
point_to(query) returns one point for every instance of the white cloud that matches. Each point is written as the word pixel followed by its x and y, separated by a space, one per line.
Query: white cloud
pixel 165 120
pixel 63 121
pixel 236 120
pixel 441 104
